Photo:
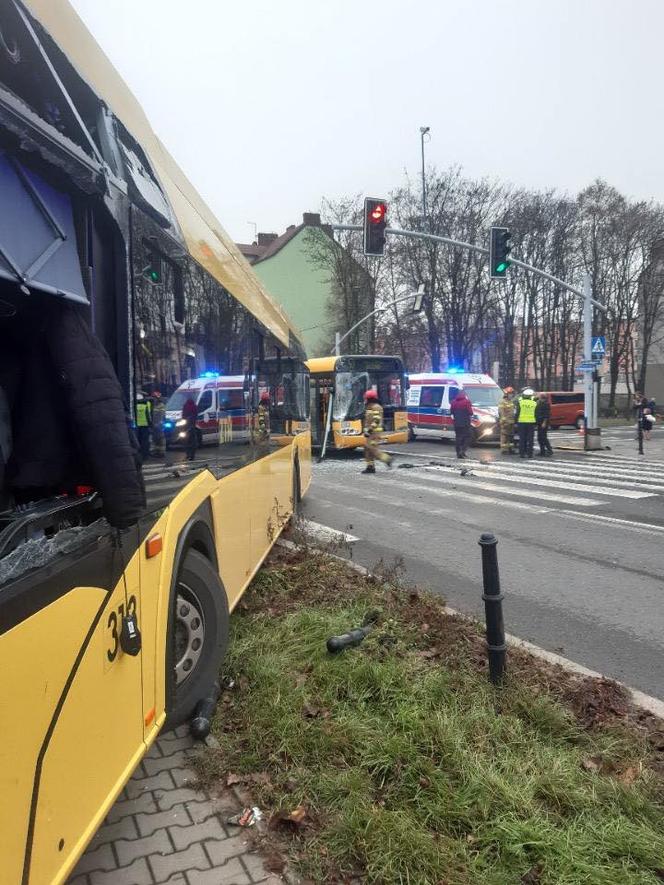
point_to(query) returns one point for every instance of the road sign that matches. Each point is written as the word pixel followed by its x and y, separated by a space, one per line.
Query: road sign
pixel 598 346
pixel 418 298
pixel 587 366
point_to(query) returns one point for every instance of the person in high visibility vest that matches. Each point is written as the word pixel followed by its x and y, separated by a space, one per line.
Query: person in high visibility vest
pixel 143 423
pixel 525 421
pixel 373 428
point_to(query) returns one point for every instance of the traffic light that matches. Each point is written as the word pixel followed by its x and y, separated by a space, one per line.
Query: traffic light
pixel 375 222
pixel 153 272
pixel 499 251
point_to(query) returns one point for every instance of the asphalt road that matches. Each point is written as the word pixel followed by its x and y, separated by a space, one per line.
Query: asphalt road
pixel 580 540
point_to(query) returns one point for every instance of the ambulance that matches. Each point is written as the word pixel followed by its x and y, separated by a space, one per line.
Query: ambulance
pixel 430 396
pixel 223 414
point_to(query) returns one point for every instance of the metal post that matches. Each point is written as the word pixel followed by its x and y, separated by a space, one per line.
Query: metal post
pixel 337 343
pixel 328 422
pixel 592 438
pixel 493 607
pixel 423 131
pixel 639 430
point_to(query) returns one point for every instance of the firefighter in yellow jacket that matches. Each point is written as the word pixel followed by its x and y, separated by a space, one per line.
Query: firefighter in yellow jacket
pixel 506 417
pixel 373 427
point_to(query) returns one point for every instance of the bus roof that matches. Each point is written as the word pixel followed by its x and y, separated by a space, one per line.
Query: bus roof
pixel 204 236
pixel 325 365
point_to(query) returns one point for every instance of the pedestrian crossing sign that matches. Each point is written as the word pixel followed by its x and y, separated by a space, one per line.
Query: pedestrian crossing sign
pixel 598 346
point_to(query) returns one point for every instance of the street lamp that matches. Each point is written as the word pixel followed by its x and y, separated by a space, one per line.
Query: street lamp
pixel 424 130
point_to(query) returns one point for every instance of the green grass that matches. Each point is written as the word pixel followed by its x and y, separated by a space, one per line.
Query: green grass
pixel 413 769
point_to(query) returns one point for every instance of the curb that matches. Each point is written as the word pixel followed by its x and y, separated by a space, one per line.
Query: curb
pixel 652 705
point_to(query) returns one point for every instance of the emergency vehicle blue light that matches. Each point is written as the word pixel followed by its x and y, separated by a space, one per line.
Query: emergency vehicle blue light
pixel 210 375
pixel 452 370
pixel 168 425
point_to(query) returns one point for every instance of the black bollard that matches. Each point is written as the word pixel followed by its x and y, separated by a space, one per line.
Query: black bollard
pixel 493 607
pixel 639 428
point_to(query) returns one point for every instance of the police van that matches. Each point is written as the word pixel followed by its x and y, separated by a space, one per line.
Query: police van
pixel 430 396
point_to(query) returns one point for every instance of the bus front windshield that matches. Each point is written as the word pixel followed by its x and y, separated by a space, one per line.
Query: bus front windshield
pixel 350 387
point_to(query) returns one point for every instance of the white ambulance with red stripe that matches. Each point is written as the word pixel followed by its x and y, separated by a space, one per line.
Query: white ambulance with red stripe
pixel 430 396
pixel 220 400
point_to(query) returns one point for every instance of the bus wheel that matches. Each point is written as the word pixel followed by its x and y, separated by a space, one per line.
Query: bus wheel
pixel 411 434
pixel 199 635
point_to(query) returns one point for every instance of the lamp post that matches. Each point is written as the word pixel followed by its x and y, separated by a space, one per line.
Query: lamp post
pixel 424 130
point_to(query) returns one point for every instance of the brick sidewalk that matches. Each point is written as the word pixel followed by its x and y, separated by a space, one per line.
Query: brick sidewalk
pixel 162 830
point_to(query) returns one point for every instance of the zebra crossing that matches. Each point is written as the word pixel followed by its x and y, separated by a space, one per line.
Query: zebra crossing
pixel 575 488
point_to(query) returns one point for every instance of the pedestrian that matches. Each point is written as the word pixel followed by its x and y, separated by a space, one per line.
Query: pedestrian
pixel 373 428
pixel 143 424
pixel 525 421
pixel 506 417
pixel 543 421
pixel 158 418
pixel 190 414
pixel 462 412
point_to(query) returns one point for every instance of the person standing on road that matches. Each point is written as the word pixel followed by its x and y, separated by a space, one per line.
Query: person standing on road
pixel 143 410
pixel 525 421
pixel 158 418
pixel 190 414
pixel 462 412
pixel 506 417
pixel 373 427
pixel 543 420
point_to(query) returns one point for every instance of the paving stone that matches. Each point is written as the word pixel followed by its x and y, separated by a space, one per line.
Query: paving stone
pixel 154 752
pixel 165 763
pixel 143 803
pixel 193 858
pixel 253 863
pixel 231 873
pixel 168 798
pixel 219 852
pixel 176 816
pixel 156 843
pixel 101 858
pixel 184 777
pixel 161 781
pixel 79 880
pixel 184 836
pixel 137 873
pixel 125 828
pixel 222 806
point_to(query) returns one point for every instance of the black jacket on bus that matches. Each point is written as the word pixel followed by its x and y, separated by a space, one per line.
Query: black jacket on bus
pixel 69 424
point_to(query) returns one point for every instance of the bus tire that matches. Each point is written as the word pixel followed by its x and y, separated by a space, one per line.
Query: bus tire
pixel 412 436
pixel 198 635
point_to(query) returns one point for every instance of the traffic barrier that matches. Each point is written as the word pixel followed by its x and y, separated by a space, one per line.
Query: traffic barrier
pixel 493 608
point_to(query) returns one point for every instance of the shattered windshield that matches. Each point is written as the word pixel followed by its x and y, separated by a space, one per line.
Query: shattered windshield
pixel 350 388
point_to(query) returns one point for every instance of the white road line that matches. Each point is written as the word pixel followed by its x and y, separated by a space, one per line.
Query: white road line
pixel 549 483
pixel 327 533
pixel 604 478
pixel 616 522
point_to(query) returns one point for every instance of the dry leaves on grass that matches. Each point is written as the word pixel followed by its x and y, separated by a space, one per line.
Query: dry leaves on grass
pixel 290 820
pixel 257 777
pixel 626 776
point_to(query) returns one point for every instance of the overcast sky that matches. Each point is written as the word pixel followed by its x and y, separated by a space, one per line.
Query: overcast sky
pixel 269 106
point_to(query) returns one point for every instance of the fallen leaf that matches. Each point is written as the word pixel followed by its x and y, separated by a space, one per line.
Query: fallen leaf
pixel 309 711
pixel 243 683
pixel 233 779
pixel 293 820
pixel 424 628
pixel 428 653
pixel 259 777
pixel 629 775
pixel 533 876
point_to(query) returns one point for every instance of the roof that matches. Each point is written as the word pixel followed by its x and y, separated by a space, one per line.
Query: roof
pixel 204 236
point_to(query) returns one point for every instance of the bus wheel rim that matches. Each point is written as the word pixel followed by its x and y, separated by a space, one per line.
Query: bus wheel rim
pixel 189 633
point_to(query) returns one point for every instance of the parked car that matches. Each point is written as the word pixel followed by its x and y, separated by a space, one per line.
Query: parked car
pixel 566 407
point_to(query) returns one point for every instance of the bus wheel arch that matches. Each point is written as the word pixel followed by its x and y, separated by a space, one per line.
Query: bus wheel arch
pixel 198 623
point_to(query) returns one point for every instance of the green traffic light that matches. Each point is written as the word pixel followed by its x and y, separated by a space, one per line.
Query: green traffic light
pixel 154 276
pixel 501 267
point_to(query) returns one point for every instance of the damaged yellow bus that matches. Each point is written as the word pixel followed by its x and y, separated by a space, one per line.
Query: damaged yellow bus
pixel 107 634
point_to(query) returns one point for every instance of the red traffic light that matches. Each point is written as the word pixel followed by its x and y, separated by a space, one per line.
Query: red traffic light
pixel 378 213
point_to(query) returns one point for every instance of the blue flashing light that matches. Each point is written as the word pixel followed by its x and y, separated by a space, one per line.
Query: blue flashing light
pixel 209 375
pixel 168 425
pixel 453 370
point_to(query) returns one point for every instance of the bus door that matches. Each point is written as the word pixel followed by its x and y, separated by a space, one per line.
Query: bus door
pixel 320 398
pixel 82 696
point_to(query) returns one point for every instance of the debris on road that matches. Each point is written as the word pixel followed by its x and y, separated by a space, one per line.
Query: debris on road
pixel 247 818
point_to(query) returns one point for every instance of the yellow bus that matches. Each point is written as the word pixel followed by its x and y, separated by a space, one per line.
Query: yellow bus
pixel 343 380
pixel 96 214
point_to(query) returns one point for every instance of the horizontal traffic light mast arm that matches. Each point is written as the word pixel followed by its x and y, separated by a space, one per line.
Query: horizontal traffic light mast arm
pixel 373 312
pixel 419 235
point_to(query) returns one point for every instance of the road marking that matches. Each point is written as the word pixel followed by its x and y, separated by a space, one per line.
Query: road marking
pixel 642 527
pixel 326 532
pixel 549 483
pixel 605 478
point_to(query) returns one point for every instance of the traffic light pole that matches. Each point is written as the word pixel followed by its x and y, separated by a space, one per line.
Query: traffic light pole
pixel 593 439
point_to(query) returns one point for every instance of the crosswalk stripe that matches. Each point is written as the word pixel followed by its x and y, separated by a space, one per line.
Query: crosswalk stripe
pixel 552 483
pixel 646 527
pixel 622 459
pixel 603 478
pixel 453 476
pixel 444 493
